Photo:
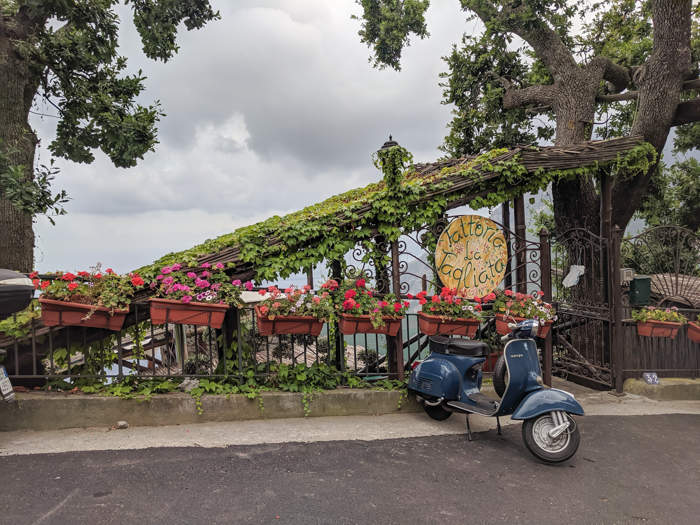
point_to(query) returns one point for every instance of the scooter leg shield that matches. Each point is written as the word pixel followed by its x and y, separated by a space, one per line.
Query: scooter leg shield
pixel 549 400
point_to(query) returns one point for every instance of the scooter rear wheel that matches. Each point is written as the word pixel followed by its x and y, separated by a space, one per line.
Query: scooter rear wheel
pixel 544 447
pixel 437 413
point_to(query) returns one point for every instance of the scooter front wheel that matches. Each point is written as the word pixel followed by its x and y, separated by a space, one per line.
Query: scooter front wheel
pixel 543 446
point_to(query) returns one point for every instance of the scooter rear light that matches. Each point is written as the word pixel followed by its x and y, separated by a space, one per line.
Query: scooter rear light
pixel 415 364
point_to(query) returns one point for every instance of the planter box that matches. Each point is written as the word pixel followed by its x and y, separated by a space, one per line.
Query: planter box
pixel 200 314
pixel 288 324
pixel 502 326
pixel 694 332
pixel 434 324
pixel 658 329
pixel 62 313
pixel 349 325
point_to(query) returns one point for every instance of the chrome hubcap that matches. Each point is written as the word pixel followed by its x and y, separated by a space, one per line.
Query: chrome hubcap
pixel 540 431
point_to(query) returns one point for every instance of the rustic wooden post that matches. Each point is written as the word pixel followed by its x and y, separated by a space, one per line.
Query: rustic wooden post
pixel 397 343
pixel 617 339
pixel 520 244
pixel 310 276
pixel 546 277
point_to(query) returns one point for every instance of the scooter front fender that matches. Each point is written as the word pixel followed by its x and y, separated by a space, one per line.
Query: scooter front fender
pixel 547 400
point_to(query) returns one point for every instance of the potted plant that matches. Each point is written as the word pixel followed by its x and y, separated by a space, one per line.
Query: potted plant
pixel 509 307
pixel 658 322
pixel 359 311
pixel 194 296
pixel 448 313
pixel 89 299
pixel 694 331
pixel 296 311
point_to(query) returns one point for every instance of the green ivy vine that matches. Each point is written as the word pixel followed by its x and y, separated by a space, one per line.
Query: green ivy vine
pixel 330 229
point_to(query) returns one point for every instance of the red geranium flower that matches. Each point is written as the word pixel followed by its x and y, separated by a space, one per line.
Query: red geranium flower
pixel 360 283
pixel 72 286
pixel 350 294
pixel 422 302
pixel 435 299
pixel 397 307
pixel 45 285
pixel 409 296
pixel 110 271
pixel 33 275
pixel 137 281
pixel 477 299
pixel 509 293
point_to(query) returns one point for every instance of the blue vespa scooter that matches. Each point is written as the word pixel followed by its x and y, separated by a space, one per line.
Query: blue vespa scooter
pixel 449 380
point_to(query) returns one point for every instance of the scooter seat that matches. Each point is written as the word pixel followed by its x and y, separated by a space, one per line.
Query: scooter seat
pixel 463 347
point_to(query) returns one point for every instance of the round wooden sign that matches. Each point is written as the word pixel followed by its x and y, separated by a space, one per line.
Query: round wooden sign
pixel 471 255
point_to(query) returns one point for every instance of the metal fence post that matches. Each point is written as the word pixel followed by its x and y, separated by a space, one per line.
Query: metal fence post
pixel 397 346
pixel 120 362
pixel 617 340
pixel 546 285
pixel 520 244
pixel 337 272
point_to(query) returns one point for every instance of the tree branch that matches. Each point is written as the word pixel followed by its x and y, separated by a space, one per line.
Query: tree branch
pixel 545 42
pixel 688 85
pixel 616 75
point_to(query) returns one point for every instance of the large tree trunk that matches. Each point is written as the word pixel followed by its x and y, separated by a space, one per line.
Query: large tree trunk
pixel 17 138
pixel 660 82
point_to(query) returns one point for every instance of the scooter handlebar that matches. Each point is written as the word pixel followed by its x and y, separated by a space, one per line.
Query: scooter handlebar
pixel 505 338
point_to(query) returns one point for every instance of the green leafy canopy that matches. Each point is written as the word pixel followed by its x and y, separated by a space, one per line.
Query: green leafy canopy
pixel 72 53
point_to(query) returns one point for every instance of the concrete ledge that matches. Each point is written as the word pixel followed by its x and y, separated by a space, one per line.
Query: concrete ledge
pixel 54 411
pixel 669 389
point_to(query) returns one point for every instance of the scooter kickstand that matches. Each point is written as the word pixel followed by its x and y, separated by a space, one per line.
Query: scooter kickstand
pixel 498 424
pixel 469 429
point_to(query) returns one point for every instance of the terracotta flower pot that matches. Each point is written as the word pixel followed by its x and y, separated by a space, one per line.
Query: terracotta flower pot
pixel 694 332
pixel 288 324
pixel 62 313
pixel 434 324
pixel 658 328
pixel 349 325
pixel 502 326
pixel 200 314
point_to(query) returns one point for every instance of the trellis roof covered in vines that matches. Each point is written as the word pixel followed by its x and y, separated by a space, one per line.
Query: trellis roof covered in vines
pixel 408 197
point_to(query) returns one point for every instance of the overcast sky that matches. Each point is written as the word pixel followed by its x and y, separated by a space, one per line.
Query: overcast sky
pixel 270 109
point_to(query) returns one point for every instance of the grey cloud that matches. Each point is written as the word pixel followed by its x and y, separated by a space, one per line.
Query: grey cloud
pixel 270 109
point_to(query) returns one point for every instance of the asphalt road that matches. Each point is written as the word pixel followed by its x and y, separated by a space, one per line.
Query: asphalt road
pixel 643 469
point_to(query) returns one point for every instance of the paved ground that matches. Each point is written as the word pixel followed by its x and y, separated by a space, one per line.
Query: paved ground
pixel 638 463
pixel 643 469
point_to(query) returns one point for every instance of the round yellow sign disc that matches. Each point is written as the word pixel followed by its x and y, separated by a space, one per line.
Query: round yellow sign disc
pixel 471 255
